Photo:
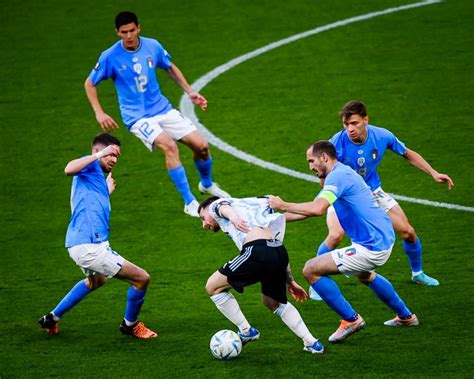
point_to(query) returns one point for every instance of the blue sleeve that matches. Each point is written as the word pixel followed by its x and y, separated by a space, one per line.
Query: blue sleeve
pixel 394 144
pixel 101 71
pixel 163 58
pixel 89 168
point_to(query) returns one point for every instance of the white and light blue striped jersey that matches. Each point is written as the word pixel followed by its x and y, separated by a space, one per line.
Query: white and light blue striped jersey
pixel 254 210
pixel 363 220
pixel 365 158
pixel 90 207
pixel 134 75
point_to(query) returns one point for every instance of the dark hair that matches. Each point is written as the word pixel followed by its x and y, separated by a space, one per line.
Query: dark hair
pixel 323 146
pixel 105 139
pixel 351 108
pixel 124 18
pixel 207 202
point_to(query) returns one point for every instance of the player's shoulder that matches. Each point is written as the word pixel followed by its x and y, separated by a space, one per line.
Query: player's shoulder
pixel 112 50
pixel 379 131
pixel 150 42
pixel 338 137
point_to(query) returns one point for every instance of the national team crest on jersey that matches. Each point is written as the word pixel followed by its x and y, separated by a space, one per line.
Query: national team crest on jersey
pixel 351 251
pixel 150 62
pixel 361 161
pixel 137 67
pixel 374 154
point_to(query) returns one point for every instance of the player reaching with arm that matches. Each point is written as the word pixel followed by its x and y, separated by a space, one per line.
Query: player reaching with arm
pixel 368 227
pixel 258 233
pixel 132 63
pixel 362 147
pixel 87 239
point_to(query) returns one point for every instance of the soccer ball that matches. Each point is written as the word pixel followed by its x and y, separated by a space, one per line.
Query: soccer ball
pixel 225 345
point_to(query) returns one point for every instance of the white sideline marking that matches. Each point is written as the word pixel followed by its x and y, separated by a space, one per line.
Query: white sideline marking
pixel 187 107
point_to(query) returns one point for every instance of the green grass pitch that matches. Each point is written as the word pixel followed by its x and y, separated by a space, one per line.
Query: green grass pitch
pixel 414 70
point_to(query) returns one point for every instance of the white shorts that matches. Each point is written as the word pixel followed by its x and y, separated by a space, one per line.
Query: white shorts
pixel 96 258
pixel 173 123
pixel 385 201
pixel 355 258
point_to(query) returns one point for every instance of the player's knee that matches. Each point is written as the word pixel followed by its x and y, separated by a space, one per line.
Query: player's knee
pixel 407 232
pixel 309 272
pixel 169 148
pixel 96 281
pixel 270 303
pixel 201 151
pixel 334 238
pixel 210 288
pixel 143 279
pixel 366 277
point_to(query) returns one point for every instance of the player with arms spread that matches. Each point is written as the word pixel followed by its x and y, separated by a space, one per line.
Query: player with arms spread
pixel 369 229
pixel 87 239
pixel 132 63
pixel 258 233
pixel 362 147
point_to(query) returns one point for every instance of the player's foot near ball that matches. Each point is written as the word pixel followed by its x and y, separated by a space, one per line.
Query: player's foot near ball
pixel 316 348
pixel 192 208
pixel 346 329
pixel 424 280
pixel 47 322
pixel 409 321
pixel 252 335
pixel 139 330
pixel 213 190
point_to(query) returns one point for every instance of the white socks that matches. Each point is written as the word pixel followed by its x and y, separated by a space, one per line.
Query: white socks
pixel 292 318
pixel 228 306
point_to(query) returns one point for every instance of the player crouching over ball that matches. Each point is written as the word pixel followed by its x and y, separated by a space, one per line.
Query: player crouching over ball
pixel 258 233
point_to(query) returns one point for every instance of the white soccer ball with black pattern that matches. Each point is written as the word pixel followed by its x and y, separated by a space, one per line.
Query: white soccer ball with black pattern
pixel 225 345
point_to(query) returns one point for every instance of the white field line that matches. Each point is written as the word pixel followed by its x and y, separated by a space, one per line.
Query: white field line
pixel 187 107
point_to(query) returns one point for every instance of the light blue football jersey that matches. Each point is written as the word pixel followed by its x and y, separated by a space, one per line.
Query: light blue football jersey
pixel 363 220
pixel 254 210
pixel 134 75
pixel 90 207
pixel 366 157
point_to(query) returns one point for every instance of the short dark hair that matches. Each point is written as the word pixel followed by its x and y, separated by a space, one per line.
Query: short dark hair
pixel 207 202
pixel 124 18
pixel 323 146
pixel 105 139
pixel 351 108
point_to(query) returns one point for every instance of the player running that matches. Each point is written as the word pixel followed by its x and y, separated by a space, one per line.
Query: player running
pixel 258 233
pixel 131 63
pixel 371 233
pixel 362 147
pixel 87 239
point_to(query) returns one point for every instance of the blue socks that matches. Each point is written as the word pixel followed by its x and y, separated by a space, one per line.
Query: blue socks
pixel 385 292
pixel 330 293
pixel 414 252
pixel 205 171
pixel 323 249
pixel 135 299
pixel 74 296
pixel 180 180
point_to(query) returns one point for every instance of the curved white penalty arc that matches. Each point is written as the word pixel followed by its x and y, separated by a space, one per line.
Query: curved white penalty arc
pixel 187 107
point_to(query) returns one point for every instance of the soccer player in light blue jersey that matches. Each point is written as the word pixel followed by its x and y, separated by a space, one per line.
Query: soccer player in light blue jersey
pixel 371 233
pixel 132 63
pixel 362 147
pixel 87 239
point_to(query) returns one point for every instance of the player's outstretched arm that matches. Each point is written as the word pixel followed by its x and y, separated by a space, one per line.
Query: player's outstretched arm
pixel 76 165
pixel 178 77
pixel 419 162
pixel 106 122
pixel 317 207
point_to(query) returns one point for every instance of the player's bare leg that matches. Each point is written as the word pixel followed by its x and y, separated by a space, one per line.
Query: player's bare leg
pixel 411 245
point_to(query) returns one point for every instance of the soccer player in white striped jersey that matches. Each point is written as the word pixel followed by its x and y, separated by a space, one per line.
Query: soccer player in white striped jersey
pixel 258 233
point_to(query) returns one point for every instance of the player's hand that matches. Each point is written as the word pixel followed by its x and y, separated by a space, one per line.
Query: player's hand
pixel 241 224
pixel 275 202
pixel 110 183
pixel 110 150
pixel 106 122
pixel 443 178
pixel 199 100
pixel 297 292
